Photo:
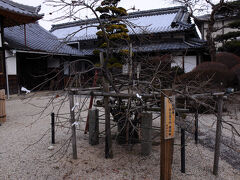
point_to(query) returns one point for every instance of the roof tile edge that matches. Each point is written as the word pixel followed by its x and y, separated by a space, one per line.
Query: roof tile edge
pixel 150 12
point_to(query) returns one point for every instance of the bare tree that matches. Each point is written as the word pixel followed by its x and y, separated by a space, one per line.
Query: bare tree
pixel 198 7
pixel 156 74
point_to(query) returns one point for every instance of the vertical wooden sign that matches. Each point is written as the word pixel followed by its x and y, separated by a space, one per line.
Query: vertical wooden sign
pixel 169 117
pixel 167 134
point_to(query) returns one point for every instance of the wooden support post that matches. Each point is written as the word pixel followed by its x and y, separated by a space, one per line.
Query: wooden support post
pixel 196 126
pixel 2 106
pixel 108 137
pixel 73 127
pixel 146 134
pixel 130 84
pixel 182 150
pixel 218 136
pixel 166 156
pixel 93 126
pixel 91 102
pixel 183 62
pixel 53 127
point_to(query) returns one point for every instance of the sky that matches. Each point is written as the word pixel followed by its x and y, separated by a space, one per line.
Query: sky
pixel 47 21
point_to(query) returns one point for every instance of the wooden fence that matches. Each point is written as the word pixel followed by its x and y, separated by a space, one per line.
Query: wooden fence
pixel 2 106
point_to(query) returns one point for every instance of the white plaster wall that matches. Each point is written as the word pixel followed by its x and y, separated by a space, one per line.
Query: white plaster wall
pixel 66 68
pixel 190 62
pixel 219 24
pixel 11 63
pixel 177 61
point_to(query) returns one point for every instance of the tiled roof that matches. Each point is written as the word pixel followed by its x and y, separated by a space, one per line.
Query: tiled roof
pixel 167 46
pixel 37 39
pixel 142 22
pixel 19 8
pixel 15 14
pixel 191 44
pixel 217 17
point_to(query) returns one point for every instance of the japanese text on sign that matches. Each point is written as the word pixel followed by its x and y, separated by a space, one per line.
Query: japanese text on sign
pixel 169 118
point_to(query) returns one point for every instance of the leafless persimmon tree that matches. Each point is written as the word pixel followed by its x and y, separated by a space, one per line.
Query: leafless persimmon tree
pixel 154 75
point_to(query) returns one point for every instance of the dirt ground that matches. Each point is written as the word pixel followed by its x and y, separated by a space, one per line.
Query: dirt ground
pixel 24 151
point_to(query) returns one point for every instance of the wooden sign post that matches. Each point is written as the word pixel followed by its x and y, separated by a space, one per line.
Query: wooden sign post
pixel 167 134
pixel 2 106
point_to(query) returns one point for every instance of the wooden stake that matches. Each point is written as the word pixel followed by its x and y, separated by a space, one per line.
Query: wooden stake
pixel 53 127
pixel 196 126
pixel 72 121
pixel 182 150
pixel 2 106
pixel 218 136
pixel 166 156
pixel 108 137
pixel 93 126
pixel 146 134
pixel 91 102
pixel 130 82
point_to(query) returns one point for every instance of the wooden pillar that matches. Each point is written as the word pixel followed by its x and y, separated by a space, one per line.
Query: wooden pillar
pixel 91 102
pixel 146 134
pixel 108 137
pixel 53 127
pixel 218 136
pixel 73 127
pixel 166 156
pixel 130 84
pixel 93 126
pixel 183 63
pixel 196 125
pixel 198 59
pixel 3 84
pixel 182 150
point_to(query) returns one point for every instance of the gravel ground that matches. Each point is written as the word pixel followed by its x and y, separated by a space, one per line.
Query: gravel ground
pixel 24 156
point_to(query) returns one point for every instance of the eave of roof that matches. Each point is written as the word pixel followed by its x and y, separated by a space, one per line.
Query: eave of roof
pixel 17 14
pixel 166 20
pixel 189 45
pixel 206 17
pixel 130 15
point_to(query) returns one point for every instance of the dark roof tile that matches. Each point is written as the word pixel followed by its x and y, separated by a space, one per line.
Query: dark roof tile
pixel 162 46
pixel 37 39
pixel 151 21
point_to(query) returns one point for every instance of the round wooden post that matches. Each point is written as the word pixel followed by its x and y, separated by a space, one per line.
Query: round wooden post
pixel 93 126
pixel 218 136
pixel 53 127
pixel 196 126
pixel 73 127
pixel 166 156
pixel 182 150
pixel 108 137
